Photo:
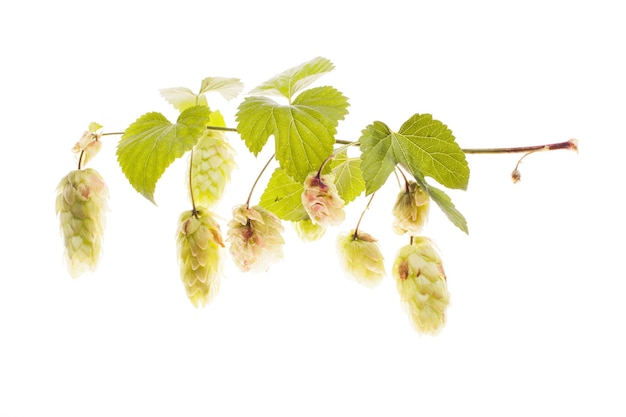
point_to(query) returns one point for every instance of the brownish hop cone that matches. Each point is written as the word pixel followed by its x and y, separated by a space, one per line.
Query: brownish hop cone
pixel 321 200
pixel 199 244
pixel 360 257
pixel 81 201
pixel 421 283
pixel 255 237
pixel 411 210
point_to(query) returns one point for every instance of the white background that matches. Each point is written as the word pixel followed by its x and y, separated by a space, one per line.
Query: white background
pixel 536 321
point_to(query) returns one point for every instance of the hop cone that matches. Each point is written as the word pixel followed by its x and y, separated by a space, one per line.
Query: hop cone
pixel 360 258
pixel 321 200
pixel 411 210
pixel 309 231
pixel 212 163
pixel 199 244
pixel 421 283
pixel 254 234
pixel 81 201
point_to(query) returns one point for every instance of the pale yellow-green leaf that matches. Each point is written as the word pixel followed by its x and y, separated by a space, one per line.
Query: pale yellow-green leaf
pixel 183 98
pixel 289 82
pixel 229 88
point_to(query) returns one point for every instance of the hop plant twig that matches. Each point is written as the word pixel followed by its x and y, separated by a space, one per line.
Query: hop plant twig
pixel 304 131
pixel 81 202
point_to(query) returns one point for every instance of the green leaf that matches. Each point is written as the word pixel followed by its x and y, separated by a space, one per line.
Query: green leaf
pixel 348 178
pixel 183 98
pixel 283 197
pixel 377 157
pixel 229 88
pixel 256 122
pixel 94 127
pixel 424 146
pixel 289 82
pixel 428 146
pixel 152 143
pixel 303 131
pixel 445 204
pixel 327 100
pixel 216 119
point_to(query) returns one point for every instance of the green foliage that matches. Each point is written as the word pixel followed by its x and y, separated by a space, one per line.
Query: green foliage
pixel 445 203
pixel 291 81
pixel 348 178
pixel 229 88
pixel 283 197
pixel 424 147
pixel 183 98
pixel 152 143
pixel 94 127
pixel 304 128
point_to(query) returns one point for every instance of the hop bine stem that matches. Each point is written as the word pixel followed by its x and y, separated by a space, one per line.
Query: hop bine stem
pixel 222 128
pixel 356 229
pixel 257 180
pixel 516 176
pixel 571 144
pixel 194 211
pixel 80 159
pixel 406 181
pixel 333 154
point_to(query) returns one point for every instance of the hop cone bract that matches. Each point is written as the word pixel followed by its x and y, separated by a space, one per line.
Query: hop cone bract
pixel 88 145
pixel 81 201
pixel 411 210
pixel 199 244
pixel 421 283
pixel 212 164
pixel 360 257
pixel 321 200
pixel 255 238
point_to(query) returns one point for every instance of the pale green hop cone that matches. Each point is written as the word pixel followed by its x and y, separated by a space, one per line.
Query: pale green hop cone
pixel 421 283
pixel 410 211
pixel 255 237
pixel 212 164
pixel 81 202
pixel 199 243
pixel 360 258
pixel 309 231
